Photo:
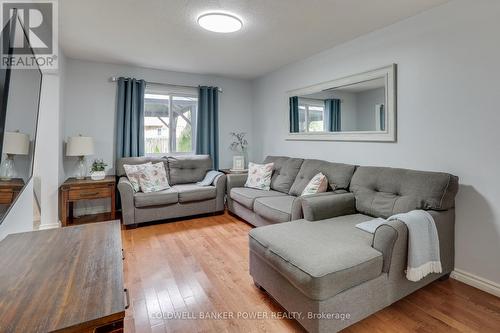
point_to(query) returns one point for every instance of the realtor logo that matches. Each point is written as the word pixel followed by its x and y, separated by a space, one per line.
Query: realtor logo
pixel 29 34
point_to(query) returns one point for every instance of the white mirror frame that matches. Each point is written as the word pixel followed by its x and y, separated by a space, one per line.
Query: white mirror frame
pixel 389 135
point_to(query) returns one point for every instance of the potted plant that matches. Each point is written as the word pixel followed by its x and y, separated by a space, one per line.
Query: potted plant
pixel 97 170
pixel 239 147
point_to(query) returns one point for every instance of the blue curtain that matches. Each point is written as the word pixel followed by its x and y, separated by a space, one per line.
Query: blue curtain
pixel 294 114
pixel 130 118
pixel 382 117
pixel 207 125
pixel 332 115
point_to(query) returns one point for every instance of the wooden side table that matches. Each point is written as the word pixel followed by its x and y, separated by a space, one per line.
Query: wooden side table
pixel 73 190
pixel 9 190
pixel 232 172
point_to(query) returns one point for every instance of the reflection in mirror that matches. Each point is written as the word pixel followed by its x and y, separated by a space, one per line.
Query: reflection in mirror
pixel 360 107
pixel 355 107
pixel 19 100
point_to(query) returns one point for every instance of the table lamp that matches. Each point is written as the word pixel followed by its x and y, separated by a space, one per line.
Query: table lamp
pixel 14 143
pixel 80 146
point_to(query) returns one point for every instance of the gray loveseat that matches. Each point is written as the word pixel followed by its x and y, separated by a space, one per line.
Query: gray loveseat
pixel 335 274
pixel 184 198
pixel 283 202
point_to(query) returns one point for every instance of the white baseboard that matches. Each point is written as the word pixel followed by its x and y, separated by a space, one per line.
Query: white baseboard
pixel 48 226
pixel 476 281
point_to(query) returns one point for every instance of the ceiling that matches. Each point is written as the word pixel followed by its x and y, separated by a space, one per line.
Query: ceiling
pixel 163 34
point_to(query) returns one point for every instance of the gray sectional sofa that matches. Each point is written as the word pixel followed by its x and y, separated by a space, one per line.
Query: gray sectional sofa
pixel 283 203
pixel 325 268
pixel 184 198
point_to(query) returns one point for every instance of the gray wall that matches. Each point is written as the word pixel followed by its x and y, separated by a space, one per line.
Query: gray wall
pixel 447 112
pixel 90 99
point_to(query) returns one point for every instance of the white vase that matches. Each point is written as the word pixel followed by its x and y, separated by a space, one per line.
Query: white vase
pixel 97 175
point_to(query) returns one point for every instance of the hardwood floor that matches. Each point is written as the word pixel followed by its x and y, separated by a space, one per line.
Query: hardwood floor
pixel 201 266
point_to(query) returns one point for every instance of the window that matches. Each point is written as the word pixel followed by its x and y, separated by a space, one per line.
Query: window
pixel 170 121
pixel 311 115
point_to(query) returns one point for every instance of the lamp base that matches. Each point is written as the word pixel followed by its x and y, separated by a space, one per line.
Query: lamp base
pixel 81 170
pixel 7 168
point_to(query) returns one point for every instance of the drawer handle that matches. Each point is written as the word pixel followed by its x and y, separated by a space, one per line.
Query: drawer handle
pixel 127 298
pixel 89 194
pixel 123 255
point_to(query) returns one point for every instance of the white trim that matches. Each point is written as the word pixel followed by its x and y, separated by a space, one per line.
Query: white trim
pixel 48 226
pixel 476 281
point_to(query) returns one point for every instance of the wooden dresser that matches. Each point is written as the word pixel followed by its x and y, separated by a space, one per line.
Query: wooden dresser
pixel 64 280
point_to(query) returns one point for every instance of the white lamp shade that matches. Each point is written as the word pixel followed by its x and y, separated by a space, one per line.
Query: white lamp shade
pixel 16 143
pixel 80 146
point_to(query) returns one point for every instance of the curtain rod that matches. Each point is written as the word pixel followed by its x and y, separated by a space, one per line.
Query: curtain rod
pixel 114 79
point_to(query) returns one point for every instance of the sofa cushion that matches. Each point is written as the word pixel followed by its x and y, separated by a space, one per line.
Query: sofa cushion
pixel 284 173
pixel 120 171
pixel 160 198
pixel 154 178
pixel 246 196
pixel 194 192
pixel 382 192
pixel 338 175
pixel 276 209
pixel 322 258
pixel 259 176
pixel 188 169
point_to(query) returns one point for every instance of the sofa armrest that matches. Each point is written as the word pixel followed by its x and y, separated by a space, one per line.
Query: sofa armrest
pixel 384 240
pixel 232 181
pixel 327 205
pixel 127 200
pixel 220 185
pixel 391 238
pixel 235 180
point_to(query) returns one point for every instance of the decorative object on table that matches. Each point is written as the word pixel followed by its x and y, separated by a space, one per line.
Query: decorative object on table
pixel 238 163
pixel 239 146
pixel 14 143
pixel 73 190
pixel 80 146
pixel 97 171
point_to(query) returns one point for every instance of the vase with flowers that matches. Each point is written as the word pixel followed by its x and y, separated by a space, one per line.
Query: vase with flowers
pixel 239 146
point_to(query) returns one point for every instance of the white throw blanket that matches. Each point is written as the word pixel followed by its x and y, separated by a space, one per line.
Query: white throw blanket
pixel 423 242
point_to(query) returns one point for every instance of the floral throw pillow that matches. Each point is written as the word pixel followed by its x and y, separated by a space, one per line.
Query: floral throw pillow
pixel 154 178
pixel 259 176
pixel 318 184
pixel 134 172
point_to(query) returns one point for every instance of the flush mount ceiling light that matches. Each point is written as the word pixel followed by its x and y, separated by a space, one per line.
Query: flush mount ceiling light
pixel 220 22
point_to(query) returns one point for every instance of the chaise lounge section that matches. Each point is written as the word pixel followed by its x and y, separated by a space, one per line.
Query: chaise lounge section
pixel 335 274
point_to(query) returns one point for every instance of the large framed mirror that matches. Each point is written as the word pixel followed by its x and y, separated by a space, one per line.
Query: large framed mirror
pixel 360 107
pixel 19 106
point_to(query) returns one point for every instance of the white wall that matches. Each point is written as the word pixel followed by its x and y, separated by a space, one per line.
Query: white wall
pixel 45 180
pixel 448 112
pixel 90 100
pixel 20 216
